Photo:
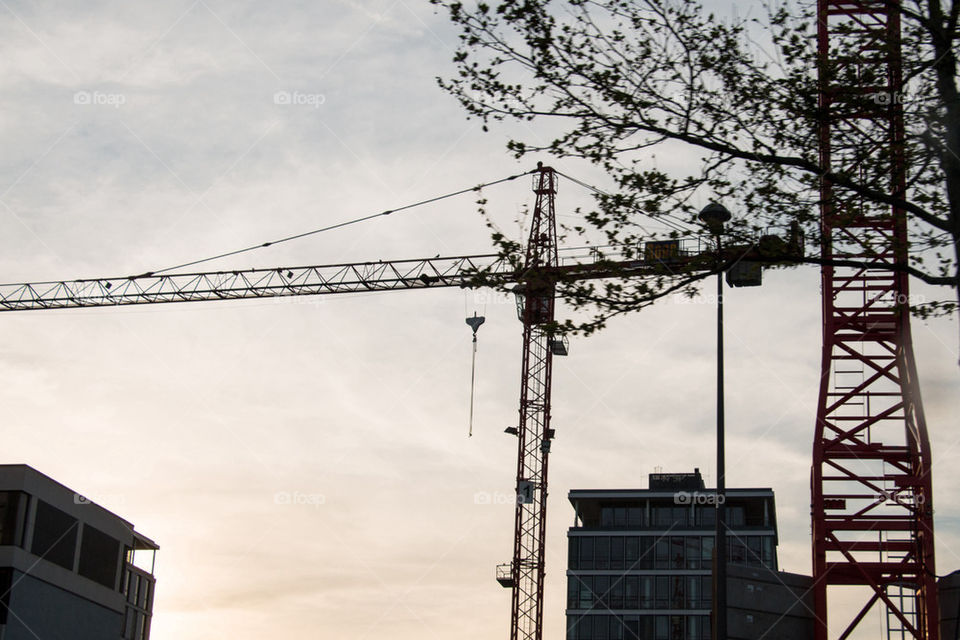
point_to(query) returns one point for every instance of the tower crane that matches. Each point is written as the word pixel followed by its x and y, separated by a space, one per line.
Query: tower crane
pixel 534 279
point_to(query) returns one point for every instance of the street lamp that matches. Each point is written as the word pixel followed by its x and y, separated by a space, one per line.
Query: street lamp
pixel 714 216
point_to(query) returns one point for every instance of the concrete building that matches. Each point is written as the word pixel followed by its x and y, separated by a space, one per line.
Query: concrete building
pixel 640 565
pixel 68 567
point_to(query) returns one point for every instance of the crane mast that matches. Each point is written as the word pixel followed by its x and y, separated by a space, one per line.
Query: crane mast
pixel 536 307
pixel 871 490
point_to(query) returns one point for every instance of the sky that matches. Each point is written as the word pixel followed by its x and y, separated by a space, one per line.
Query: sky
pixel 304 463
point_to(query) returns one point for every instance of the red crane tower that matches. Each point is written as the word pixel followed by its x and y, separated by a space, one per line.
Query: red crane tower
pixel 871 493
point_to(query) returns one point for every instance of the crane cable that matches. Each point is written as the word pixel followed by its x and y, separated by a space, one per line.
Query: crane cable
pixel 666 219
pixel 336 226
pixel 474 323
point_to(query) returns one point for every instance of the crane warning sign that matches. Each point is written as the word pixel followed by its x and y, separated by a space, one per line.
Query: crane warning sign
pixel 661 250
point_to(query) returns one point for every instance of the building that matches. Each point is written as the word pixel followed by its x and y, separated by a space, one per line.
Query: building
pixel 68 567
pixel 640 562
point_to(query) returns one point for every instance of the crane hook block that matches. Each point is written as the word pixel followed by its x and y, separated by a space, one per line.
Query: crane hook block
pixel 475 322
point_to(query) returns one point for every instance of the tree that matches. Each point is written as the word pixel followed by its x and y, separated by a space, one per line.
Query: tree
pixel 625 77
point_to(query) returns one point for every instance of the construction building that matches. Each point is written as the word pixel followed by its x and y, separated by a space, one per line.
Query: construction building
pixel 68 567
pixel 640 565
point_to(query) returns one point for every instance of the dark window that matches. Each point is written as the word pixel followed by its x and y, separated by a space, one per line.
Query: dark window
pixel 663 554
pixel 616 553
pixel 735 516
pixel 586 553
pixel 706 591
pixel 676 593
pixel 706 552
pixel 646 553
pixel 99 555
pixel 630 593
pixel 601 625
pixel 646 592
pixel 635 518
pixel 663 592
pixel 585 628
pixel 676 552
pixel 573 552
pixel 6 585
pixel 601 589
pixel 586 592
pixel 573 592
pixel 620 518
pixel 632 628
pixel 631 552
pixel 616 593
pixel 606 517
pixel 676 627
pixel 692 544
pixel 13 510
pixel 663 628
pixel 54 535
pixel 602 551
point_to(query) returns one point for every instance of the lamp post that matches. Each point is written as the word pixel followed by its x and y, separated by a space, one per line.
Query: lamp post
pixel 714 216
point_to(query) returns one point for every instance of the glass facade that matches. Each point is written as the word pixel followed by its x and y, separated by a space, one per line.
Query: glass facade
pixel 640 565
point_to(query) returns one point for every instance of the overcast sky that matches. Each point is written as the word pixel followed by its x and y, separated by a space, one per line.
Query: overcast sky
pixel 142 135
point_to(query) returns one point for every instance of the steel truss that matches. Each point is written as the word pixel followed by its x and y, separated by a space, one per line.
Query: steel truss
pixel 871 490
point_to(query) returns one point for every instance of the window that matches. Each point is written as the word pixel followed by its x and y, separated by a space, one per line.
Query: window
pixel 620 518
pixel 692 545
pixel 706 592
pixel 13 512
pixel 606 517
pixel 767 553
pixel 735 516
pixel 662 554
pixel 632 628
pixel 616 553
pixel 573 592
pixel 54 535
pixel 693 592
pixel 707 516
pixel 99 557
pixel 646 553
pixel 663 592
pixel 706 552
pixel 676 627
pixel 586 553
pixel 635 519
pixel 601 590
pixel 631 552
pixel 663 628
pixel 631 598
pixel 602 551
pixel 646 592
pixel 676 593
pixel 616 593
pixel 601 625
pixel 753 550
pixel 586 592
pixel 676 552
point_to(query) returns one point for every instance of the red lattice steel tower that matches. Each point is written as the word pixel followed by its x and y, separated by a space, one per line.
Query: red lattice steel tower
pixel 870 484
pixel 536 301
